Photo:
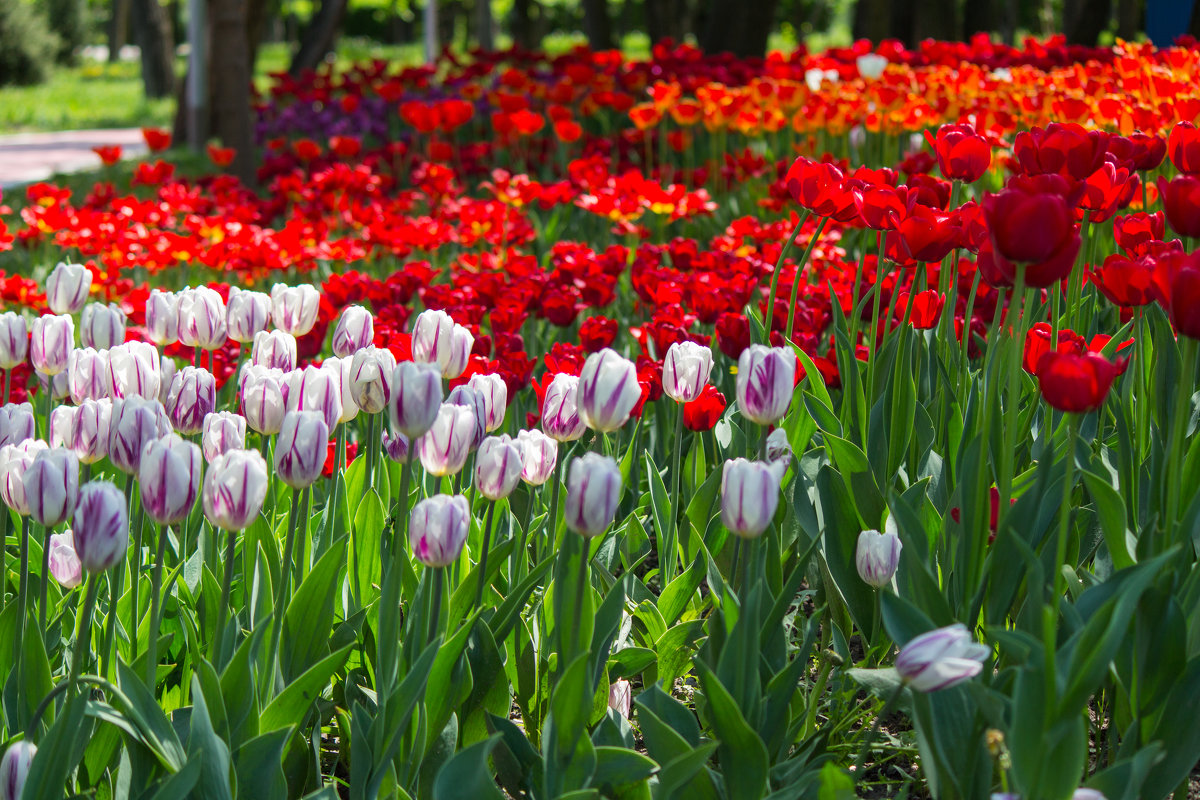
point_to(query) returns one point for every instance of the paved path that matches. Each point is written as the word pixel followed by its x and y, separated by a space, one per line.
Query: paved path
pixel 31 157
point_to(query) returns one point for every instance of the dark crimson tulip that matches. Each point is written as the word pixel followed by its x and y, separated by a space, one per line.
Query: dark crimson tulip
pixel 1108 189
pixel 1064 149
pixel 1183 145
pixel 929 191
pixel 1126 282
pixel 881 207
pixel 994 513
pixel 962 154
pixel 733 334
pixel 1177 288
pixel 928 235
pixel 926 308
pixel 597 333
pixel 702 413
pixel 1140 151
pixel 1074 382
pixel 1134 231
pixel 1181 202
pixel 1037 344
pixel 1036 229
pixel 820 187
pixel 973 230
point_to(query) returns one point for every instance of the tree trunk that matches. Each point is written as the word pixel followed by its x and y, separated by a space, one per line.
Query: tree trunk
pixel 872 19
pixel 1085 20
pixel 596 24
pixel 756 32
pixel 486 27
pixel 153 35
pixel 979 16
pixel 1129 18
pixel 936 19
pixel 319 37
pixel 232 118
pixel 522 24
pixel 118 29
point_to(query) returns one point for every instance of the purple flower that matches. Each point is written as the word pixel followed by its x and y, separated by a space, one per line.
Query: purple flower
pixel 234 489
pixel 300 448
pixel 100 526
pixel 16 423
pixel 93 419
pixel 685 371
pixel 274 350
pixel 437 529
pixel 749 496
pixel 193 397
pixel 15 460
pixel 87 375
pixel 262 399
pixel 162 317
pixel 877 556
pixel 294 308
pixel 52 486
pixel 941 658
pixel 355 330
pixel 444 447
pixel 316 389
pixel 498 466
pixel 593 492
pixel 560 409
pixel 67 288
pixel 494 391
pixel 371 372
pixel 102 326
pixel 540 454
pixel 169 477
pixel 135 423
pixel 223 431
pixel 608 391
pixel 134 369
pixel 14 340
pixel 202 318
pixel 416 398
pixel 14 769
pixel 765 382
pixel 247 315
pixel 469 397
pixel 51 344
pixel 64 561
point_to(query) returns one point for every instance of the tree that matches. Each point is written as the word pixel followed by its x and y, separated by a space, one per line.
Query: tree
pixel 152 32
pixel 738 27
pixel 231 73
pixel 320 36
pixel 596 24
pixel 1085 20
pixel 118 29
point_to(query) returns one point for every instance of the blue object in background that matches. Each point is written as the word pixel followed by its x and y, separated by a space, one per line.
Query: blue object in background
pixel 1166 19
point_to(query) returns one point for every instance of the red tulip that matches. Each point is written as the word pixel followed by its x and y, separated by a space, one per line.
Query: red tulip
pixel 702 413
pixel 1140 151
pixel 962 154
pixel 109 154
pixel 597 333
pixel 1134 231
pixel 1037 344
pixel 928 235
pixel 1032 228
pixel 1181 201
pixel 157 139
pixel 1061 148
pixel 1108 189
pixel 1183 145
pixel 1124 281
pixel 881 207
pixel 1076 383
pixel 820 187
pixel 221 156
pixel 926 308
pixel 733 334
pixel 1177 287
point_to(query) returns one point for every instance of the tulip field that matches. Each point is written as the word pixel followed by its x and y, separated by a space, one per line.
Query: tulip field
pixel 568 427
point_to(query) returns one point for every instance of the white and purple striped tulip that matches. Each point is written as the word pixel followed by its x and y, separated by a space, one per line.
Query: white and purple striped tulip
pixel 560 409
pixel 93 421
pixel 941 658
pixel 301 447
pixel 437 529
pixel 61 431
pixel 262 399
pixel 235 487
pixel 16 423
pixel 540 456
pixel 246 314
pixel 274 350
pixel 169 477
pixel 136 421
pixel 465 395
pixel 461 343
pixel 432 337
pixel 620 695
pixel 193 397
pixel 495 398
pixel 14 340
pixel 778 450
pixel 686 369
pixel 101 326
pixel 593 493
pixel 67 288
pixel 444 447
pixel 294 308
pixel 315 389
pixel 134 370
pixel 371 372
pixel 202 318
pixel 416 398
pixel 223 431
pixel 396 446
pixel 52 486
pixel 608 391
pixel 15 460
pixel 51 344
pixel 167 372
pixel 340 369
pixel 162 317
pixel 87 375
pixel 498 466
pixel 355 330
pixel 765 383
pixel 64 561
pixel 876 556
pixel 749 496
pixel 100 526
pixel 14 769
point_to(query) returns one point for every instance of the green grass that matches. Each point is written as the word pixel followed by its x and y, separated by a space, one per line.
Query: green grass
pixel 89 96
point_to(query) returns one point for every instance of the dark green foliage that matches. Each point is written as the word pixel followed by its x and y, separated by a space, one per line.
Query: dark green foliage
pixel 27 47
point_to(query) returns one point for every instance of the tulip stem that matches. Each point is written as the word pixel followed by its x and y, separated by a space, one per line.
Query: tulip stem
pixel 581 595
pixel 435 603
pixel 82 640
pixel 285 574
pixel 1050 614
pixel 218 645
pixel 968 314
pixel 135 579
pixel 791 317
pixel 1012 409
pixel 387 666
pixel 770 314
pixel 22 597
pixel 666 550
pixel 888 705
pixel 117 581
pixel 483 557
pixel 156 607
pixel 43 577
pixel 7 384
pixel 1179 420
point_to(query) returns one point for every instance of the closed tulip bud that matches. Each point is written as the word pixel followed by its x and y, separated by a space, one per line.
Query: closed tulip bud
pixel 593 492
pixel 51 344
pixel 14 340
pixel 93 419
pixel 101 526
pixel 315 389
pixel 765 382
pixel 235 487
pixel 61 430
pixel 444 447
pixel 340 369
pixel 749 497
pixel 64 561
pixel 247 315
pixel 262 399
pixel 52 486
pixel 15 460
pixel 498 466
pixel 301 448
pixel 355 330
pixel 461 344
pixel 202 318
pixel 136 421
pixel 941 658
pixel 396 446
pixel 779 450
pixel 87 375
pixel 67 288
pixel 169 476
pixel 16 423
pixel 877 556
pixel 560 409
pixel 437 529
pixel 464 395
pixel 274 350
pixel 371 378
pixel 494 391
pixel 431 337
pixel 101 326
pixel 620 695
pixel 540 456
pixel 294 308
pixel 162 317
pixel 685 371
pixel 193 397
pixel 223 431
pixel 416 398
pixel 608 391
pixel 14 769
pixel 134 371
